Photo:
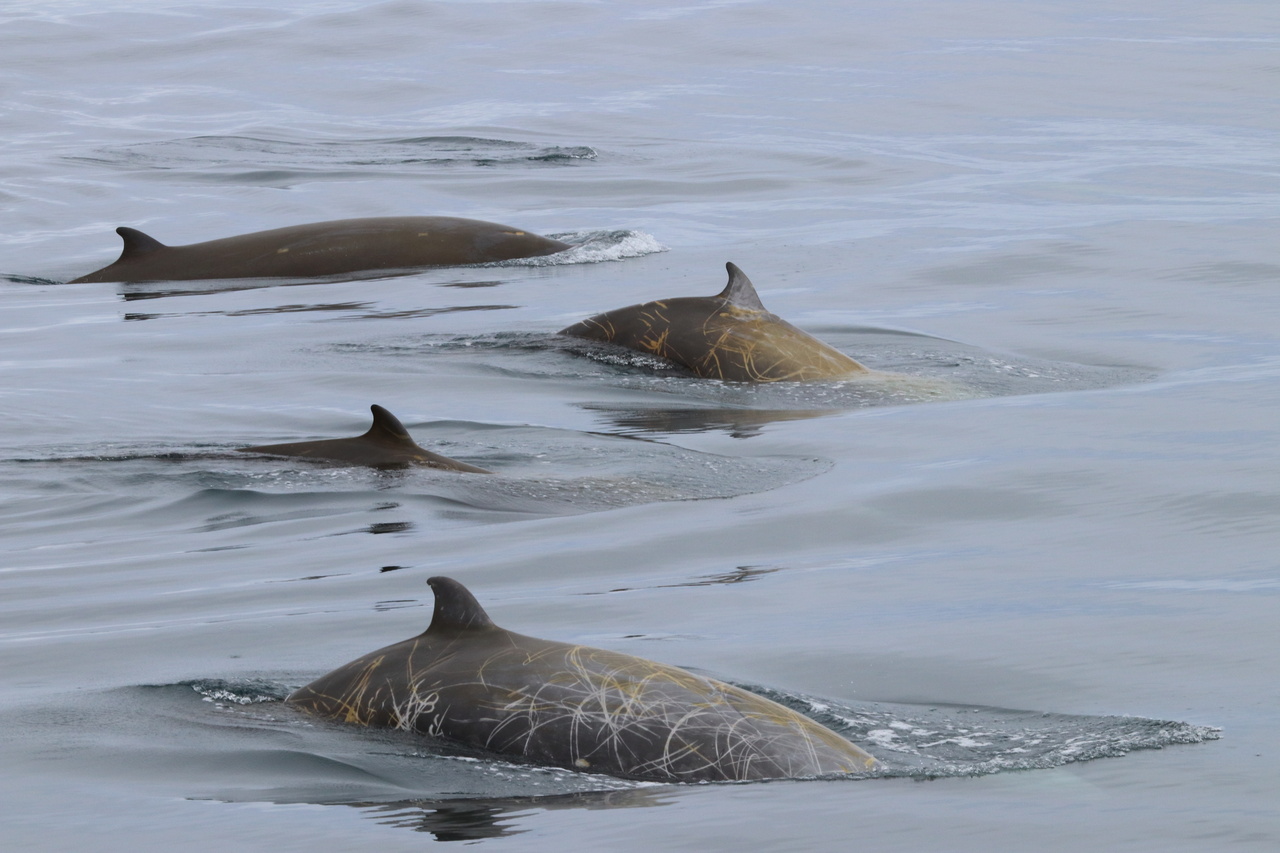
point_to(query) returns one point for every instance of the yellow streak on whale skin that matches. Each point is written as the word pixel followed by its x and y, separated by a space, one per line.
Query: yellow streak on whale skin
pixel 728 342
pixel 657 345
pixel 748 334
pixel 641 718
pixel 355 705
pixel 616 696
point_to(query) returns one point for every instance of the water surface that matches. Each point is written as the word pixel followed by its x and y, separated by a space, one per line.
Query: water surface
pixel 1037 575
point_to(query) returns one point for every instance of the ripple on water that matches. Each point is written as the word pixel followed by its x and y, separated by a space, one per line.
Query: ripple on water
pixel 911 741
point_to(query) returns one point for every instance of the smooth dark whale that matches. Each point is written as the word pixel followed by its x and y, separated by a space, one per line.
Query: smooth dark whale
pixel 326 248
pixel 387 444
pixel 467 681
pixel 727 336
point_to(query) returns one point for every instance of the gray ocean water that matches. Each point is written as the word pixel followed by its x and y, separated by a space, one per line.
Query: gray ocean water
pixel 1038 575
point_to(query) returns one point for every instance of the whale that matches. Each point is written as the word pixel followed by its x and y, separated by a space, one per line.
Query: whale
pixel 324 249
pixel 387 444
pixel 729 336
pixel 467 682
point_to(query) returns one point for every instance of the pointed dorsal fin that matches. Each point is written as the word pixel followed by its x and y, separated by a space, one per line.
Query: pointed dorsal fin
pixel 456 608
pixel 387 427
pixel 137 244
pixel 740 291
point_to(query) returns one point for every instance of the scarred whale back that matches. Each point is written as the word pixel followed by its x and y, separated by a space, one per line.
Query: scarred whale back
pixel 728 336
pixel 468 681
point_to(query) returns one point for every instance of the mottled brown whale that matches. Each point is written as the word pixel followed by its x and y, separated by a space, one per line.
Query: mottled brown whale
pixel 325 248
pixel 467 681
pixel 727 336
pixel 387 444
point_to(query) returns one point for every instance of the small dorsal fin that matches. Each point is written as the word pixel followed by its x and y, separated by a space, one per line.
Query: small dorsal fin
pixel 387 427
pixel 136 243
pixel 456 608
pixel 740 291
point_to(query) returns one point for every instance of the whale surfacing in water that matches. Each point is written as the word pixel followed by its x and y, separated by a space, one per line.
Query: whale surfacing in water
pixel 727 336
pixel 325 248
pixel 387 444
pixel 467 681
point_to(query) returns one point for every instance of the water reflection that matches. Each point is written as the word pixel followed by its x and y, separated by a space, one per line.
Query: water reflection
pixel 741 574
pixel 389 527
pixel 133 291
pixel 739 423
pixel 363 309
pixel 478 818
pixel 217 158
pixel 468 284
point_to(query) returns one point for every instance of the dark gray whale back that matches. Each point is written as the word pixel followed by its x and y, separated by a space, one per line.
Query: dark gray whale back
pixel 468 681
pixel 387 444
pixel 325 248
pixel 727 336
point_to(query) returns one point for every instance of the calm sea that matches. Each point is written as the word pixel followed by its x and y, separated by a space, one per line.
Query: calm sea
pixel 1038 574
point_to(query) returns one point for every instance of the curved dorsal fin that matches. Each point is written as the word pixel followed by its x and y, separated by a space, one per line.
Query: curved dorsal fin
pixel 387 427
pixel 136 243
pixel 456 608
pixel 740 291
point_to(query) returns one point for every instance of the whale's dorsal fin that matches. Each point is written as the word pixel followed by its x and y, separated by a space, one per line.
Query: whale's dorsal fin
pixel 387 428
pixel 137 244
pixel 456 608
pixel 740 291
